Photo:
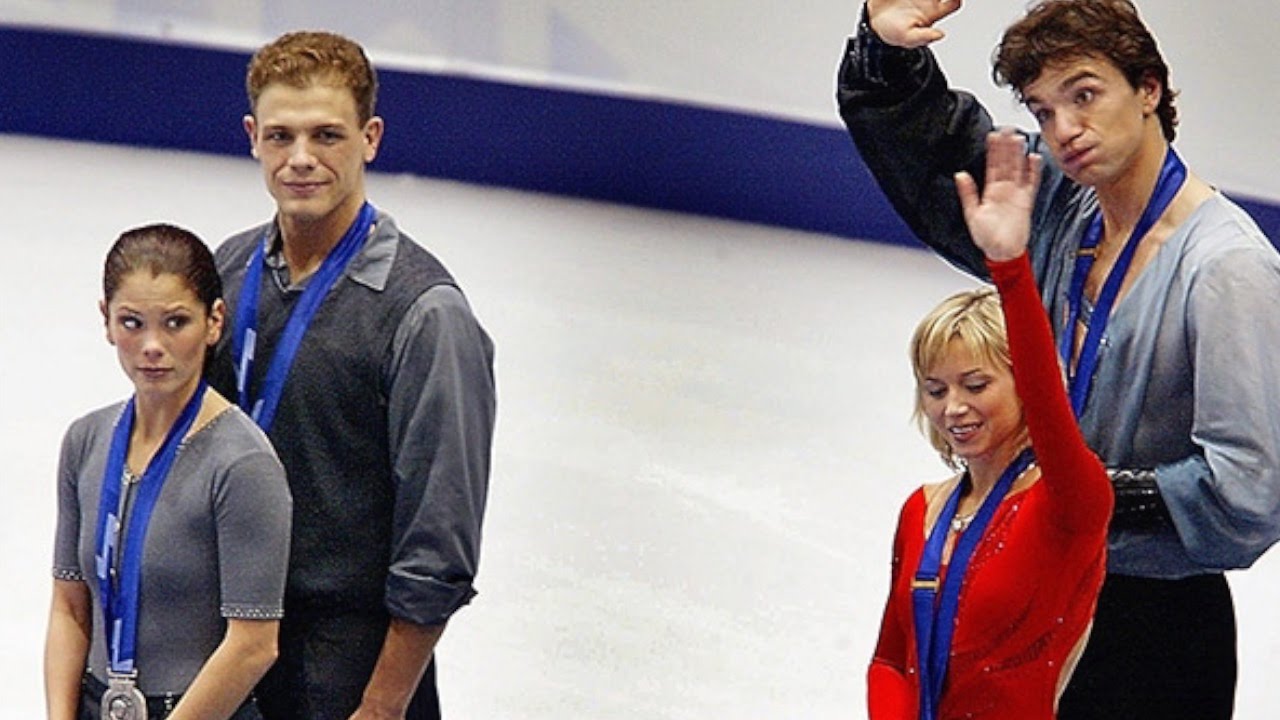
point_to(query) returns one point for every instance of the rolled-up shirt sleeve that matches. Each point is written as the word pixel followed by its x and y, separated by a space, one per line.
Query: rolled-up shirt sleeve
pixel 441 411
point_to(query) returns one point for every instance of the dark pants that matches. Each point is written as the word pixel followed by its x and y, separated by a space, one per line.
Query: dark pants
pixel 158 708
pixel 325 663
pixel 1161 649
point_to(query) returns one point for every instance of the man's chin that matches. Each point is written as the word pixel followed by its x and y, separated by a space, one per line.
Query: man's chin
pixel 1081 175
pixel 303 213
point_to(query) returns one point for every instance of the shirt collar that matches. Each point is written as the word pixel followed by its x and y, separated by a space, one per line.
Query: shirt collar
pixel 370 267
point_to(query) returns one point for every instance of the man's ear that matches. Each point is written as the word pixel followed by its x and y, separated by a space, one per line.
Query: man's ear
pixel 1152 92
pixel 251 129
pixel 373 137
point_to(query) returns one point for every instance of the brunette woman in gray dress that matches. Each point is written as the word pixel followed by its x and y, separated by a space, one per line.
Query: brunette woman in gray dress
pixel 173 512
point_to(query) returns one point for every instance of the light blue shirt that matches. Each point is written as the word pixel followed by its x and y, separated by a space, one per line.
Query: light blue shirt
pixel 1188 379
pixel 1186 383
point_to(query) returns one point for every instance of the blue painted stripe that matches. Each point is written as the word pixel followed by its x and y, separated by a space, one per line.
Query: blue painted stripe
pixel 649 153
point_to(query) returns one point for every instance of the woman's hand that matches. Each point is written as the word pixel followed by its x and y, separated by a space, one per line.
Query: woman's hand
pixel 1000 219
pixel 247 650
pixel 909 23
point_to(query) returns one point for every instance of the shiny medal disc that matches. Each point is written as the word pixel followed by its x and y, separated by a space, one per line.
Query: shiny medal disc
pixel 123 700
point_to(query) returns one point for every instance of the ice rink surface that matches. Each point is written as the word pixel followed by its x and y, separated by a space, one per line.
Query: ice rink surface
pixel 702 447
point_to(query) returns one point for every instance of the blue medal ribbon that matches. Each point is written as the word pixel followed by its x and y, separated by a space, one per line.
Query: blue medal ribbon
pixel 1080 376
pixel 935 612
pixel 119 568
pixel 244 340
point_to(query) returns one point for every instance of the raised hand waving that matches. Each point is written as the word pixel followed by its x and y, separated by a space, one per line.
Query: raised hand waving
pixel 1000 218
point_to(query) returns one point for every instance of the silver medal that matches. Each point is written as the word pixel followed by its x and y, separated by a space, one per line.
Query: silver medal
pixel 123 700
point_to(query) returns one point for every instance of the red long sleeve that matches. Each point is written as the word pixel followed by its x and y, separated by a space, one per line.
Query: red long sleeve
pixel 1081 491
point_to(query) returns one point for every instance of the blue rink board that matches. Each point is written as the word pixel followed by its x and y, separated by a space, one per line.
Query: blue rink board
pixel 644 152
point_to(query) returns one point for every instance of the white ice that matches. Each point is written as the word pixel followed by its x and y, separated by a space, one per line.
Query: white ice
pixel 703 438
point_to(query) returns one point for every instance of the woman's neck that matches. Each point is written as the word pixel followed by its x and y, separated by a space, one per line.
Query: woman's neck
pixel 154 415
pixel 985 472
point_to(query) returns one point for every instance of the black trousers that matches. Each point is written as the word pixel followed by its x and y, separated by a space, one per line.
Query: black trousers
pixel 1160 649
pixel 325 663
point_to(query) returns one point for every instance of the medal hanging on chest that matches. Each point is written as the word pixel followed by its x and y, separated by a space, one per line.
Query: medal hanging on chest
pixel 123 700
pixel 118 554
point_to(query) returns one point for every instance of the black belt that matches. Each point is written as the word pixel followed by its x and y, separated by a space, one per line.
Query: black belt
pixel 158 706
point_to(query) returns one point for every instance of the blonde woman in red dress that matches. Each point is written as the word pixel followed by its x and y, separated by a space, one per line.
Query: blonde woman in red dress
pixel 996 571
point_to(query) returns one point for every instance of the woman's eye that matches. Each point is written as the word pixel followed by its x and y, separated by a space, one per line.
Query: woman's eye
pixel 177 322
pixel 129 322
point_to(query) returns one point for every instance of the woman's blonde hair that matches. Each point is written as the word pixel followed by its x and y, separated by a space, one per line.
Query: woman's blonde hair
pixel 974 318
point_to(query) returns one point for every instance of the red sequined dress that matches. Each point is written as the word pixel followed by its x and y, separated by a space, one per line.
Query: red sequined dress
pixel 1034 578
